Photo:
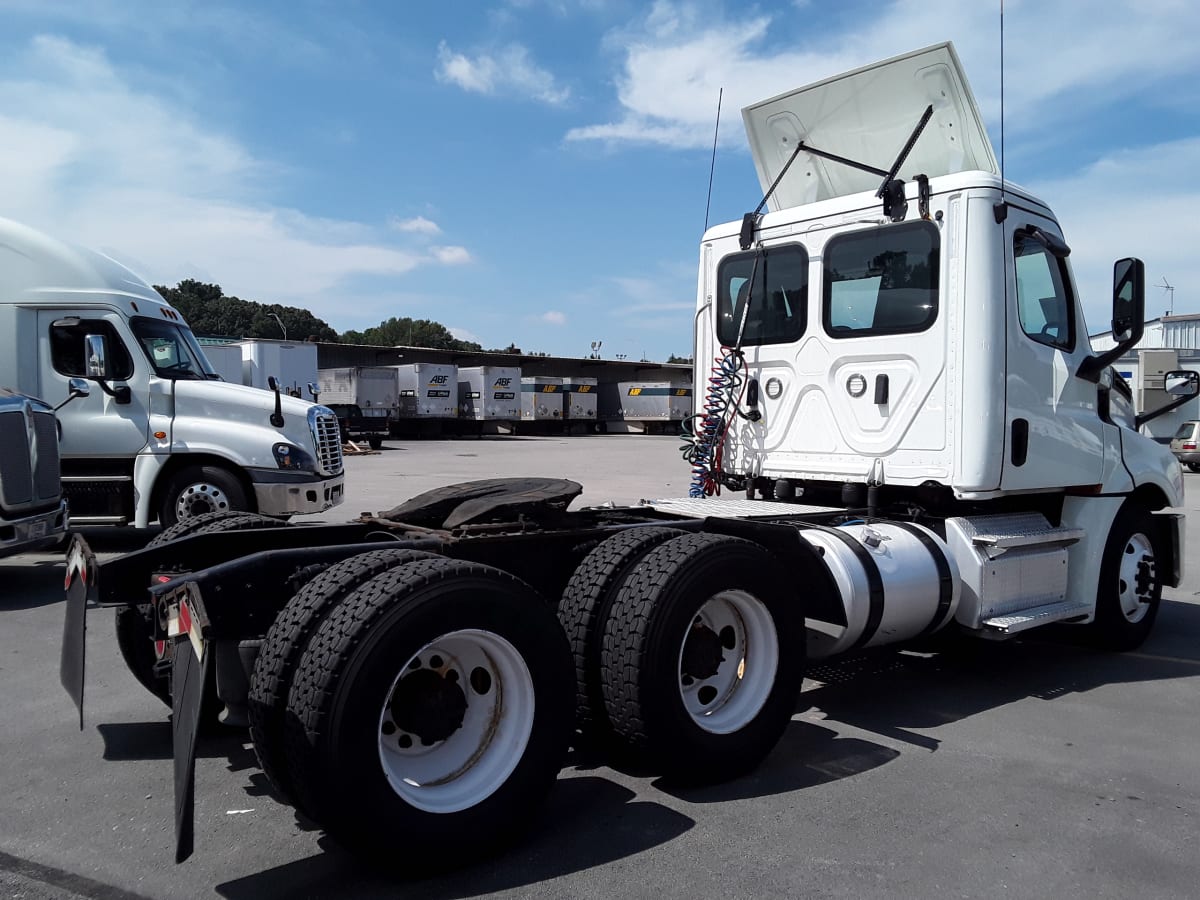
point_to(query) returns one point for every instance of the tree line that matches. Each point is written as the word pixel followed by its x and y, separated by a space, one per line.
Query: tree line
pixel 213 313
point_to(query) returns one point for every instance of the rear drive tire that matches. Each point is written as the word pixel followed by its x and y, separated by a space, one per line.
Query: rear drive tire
pixel 207 523
pixel 375 442
pixel 1193 467
pixel 196 490
pixel 430 714
pixel 135 630
pixel 1130 581
pixel 703 657
pixel 288 638
pixel 584 609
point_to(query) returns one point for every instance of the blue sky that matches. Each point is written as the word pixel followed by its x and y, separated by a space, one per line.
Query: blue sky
pixel 534 171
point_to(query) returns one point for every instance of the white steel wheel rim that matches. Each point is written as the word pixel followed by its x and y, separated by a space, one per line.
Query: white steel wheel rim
pixel 729 698
pixel 203 494
pixel 1138 551
pixel 466 767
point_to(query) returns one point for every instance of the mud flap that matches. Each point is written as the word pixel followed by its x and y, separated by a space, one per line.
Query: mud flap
pixel 189 669
pixel 81 585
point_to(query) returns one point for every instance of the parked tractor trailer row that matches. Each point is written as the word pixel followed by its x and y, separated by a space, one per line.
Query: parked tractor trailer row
pixel 441 398
pixel 895 378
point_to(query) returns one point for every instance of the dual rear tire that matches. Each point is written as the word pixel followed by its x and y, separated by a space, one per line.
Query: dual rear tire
pixel 421 703
pixel 695 646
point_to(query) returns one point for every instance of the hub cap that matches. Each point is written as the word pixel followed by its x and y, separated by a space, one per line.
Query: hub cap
pixel 1139 577
pixel 456 721
pixel 727 662
pixel 199 498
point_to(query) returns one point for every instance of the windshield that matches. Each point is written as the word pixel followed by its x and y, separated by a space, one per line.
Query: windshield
pixel 171 349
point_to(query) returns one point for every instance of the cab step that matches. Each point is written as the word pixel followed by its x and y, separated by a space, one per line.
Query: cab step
pixel 1000 533
pixel 1023 620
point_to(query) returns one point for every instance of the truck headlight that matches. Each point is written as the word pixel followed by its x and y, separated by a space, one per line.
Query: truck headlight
pixel 289 456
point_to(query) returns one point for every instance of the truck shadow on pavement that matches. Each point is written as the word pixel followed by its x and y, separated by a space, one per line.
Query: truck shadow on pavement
pixel 900 695
pixel 588 822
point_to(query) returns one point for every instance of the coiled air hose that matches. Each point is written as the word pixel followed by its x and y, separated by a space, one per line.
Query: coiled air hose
pixel 704 433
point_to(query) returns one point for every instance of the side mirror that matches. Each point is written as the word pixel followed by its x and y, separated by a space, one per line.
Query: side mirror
pixel 95 354
pixel 314 390
pixel 1128 301
pixel 76 387
pixel 1128 316
pixel 1182 384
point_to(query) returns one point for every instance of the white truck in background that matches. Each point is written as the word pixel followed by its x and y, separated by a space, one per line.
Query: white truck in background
pixel 901 384
pixel 159 438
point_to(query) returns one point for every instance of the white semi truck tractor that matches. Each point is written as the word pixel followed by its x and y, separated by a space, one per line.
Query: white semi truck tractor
pixel 160 438
pixel 894 374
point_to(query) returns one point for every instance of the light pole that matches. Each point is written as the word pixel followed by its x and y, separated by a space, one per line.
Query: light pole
pixel 275 316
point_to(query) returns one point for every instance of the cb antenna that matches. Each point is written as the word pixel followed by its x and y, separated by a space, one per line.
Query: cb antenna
pixel 713 166
pixel 1000 211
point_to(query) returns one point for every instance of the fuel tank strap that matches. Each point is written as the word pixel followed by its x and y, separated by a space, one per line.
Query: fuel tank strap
pixel 945 578
pixel 875 598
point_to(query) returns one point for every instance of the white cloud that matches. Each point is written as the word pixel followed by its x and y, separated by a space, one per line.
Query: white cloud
pixel 553 317
pixel 91 159
pixel 451 256
pixel 415 225
pixel 464 334
pixel 509 71
pixel 1061 59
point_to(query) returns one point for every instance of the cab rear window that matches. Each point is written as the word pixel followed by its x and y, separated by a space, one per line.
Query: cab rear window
pixel 768 289
pixel 881 281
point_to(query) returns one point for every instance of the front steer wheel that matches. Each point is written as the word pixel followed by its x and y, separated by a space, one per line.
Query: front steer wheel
pixel 196 490
pixel 1130 581
pixel 430 713
pixel 703 657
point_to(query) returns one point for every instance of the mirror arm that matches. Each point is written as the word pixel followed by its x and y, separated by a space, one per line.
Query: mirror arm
pixel 1141 420
pixel 1090 368
pixel 121 395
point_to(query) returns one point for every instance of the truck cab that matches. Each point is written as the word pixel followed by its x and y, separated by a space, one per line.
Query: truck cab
pixel 160 437
pixel 934 344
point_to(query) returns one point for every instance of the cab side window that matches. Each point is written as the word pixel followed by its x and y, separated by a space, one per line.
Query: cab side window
pixel 1045 306
pixel 67 348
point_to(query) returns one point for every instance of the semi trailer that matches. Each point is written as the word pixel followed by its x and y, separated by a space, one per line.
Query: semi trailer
pixel 428 398
pixel 644 407
pixel 900 391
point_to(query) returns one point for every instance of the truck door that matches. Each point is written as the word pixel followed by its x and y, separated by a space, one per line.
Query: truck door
pixel 97 425
pixel 1053 433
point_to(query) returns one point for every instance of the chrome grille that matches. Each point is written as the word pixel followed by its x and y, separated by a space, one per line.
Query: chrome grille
pixel 328 438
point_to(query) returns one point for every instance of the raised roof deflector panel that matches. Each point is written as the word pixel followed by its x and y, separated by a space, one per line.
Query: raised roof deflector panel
pixel 867 115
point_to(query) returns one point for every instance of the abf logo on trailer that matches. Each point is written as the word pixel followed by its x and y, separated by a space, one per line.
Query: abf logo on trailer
pixel 438 380
pixel 502 382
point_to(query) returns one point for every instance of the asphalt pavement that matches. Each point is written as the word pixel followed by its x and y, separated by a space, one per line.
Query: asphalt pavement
pixel 1033 768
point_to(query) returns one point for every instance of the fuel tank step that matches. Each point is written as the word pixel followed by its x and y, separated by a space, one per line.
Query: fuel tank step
pixel 1023 620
